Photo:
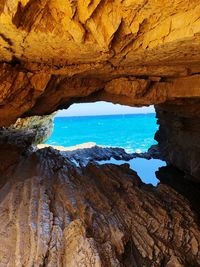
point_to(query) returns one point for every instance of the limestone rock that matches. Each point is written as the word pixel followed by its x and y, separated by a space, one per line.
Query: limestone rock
pixel 90 152
pixel 41 126
pixel 54 214
pixel 179 138
pixel 58 52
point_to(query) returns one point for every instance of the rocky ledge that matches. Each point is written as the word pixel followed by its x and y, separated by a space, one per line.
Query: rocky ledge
pixel 59 207
pixel 54 214
pixel 90 152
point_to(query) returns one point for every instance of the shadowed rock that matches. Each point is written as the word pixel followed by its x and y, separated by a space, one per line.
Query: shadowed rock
pixel 53 214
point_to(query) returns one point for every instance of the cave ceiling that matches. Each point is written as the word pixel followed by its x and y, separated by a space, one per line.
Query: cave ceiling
pixel 54 53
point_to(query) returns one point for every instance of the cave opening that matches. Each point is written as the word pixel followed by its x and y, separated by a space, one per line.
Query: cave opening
pixel 110 133
pixel 65 207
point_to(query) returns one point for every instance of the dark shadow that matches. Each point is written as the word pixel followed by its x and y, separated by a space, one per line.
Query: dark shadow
pixel 183 184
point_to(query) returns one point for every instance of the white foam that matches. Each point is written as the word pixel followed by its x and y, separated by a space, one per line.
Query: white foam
pixel 138 150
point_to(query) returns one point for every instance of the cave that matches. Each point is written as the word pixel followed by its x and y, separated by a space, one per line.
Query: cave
pixel 104 133
pixel 89 122
pixel 136 53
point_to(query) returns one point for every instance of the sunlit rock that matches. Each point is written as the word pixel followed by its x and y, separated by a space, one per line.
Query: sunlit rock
pixel 58 52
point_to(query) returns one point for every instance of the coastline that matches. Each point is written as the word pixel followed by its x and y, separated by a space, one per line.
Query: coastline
pixel 144 164
pixel 69 148
pixel 133 132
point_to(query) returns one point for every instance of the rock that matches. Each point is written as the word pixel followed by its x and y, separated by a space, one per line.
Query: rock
pixel 20 138
pixel 38 128
pixel 154 152
pixel 173 262
pixel 57 53
pixel 54 214
pixel 90 152
pixel 179 138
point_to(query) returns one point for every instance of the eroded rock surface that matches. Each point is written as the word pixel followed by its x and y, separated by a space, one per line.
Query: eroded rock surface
pixel 27 132
pixel 57 52
pixel 54 214
pixel 41 126
pixel 179 138
pixel 90 152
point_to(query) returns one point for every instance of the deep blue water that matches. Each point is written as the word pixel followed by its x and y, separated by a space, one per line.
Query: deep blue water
pixel 133 132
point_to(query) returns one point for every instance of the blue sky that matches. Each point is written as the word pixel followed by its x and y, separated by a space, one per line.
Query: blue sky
pixel 102 108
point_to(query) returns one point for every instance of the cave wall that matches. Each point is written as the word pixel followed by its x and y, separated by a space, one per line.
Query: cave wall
pixel 178 137
pixel 41 127
pixel 63 32
pixel 58 52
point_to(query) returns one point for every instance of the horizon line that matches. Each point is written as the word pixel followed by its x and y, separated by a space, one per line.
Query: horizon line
pixel 99 115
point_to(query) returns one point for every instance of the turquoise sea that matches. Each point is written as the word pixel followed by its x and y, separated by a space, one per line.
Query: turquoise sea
pixel 134 132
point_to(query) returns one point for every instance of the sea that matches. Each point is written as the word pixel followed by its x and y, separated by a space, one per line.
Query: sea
pixel 134 132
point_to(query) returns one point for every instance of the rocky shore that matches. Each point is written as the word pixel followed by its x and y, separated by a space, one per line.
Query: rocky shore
pixel 59 207
pixel 53 214
pixel 90 152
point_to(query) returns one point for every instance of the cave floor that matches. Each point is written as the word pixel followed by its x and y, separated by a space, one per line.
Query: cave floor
pixel 55 214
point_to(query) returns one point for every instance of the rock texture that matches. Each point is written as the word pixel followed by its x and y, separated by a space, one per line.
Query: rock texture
pixel 90 152
pixel 41 126
pixel 179 138
pixel 54 214
pixel 54 53
pixel 57 52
